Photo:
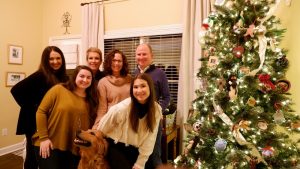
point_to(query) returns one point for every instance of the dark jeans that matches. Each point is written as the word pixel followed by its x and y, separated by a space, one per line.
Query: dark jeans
pixel 30 161
pixel 155 158
pixel 58 160
pixel 120 156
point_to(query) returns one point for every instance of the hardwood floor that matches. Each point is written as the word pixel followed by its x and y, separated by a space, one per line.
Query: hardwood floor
pixel 11 161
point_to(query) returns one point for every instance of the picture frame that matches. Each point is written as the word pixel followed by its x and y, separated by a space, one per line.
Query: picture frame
pixel 15 54
pixel 13 78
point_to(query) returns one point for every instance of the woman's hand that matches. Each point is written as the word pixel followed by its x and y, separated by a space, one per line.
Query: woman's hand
pixel 45 147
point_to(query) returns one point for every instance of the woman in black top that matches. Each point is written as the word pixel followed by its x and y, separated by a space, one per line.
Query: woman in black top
pixel 29 92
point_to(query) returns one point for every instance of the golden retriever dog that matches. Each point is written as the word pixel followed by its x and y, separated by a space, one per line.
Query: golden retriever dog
pixel 93 148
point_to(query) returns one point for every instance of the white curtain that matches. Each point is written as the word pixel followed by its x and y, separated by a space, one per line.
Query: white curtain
pixel 92 28
pixel 194 13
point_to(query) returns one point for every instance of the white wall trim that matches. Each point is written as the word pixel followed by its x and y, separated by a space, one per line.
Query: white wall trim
pixel 64 37
pixel 144 31
pixel 11 148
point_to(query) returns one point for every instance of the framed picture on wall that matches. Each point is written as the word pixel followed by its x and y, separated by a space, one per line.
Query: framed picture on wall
pixel 15 54
pixel 13 78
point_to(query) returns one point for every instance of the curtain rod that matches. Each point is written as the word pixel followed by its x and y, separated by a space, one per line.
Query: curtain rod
pixel 82 4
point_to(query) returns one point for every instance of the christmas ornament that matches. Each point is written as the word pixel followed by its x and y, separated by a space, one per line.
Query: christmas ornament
pixel 192 144
pixel 220 144
pixel 282 85
pixel 197 125
pixel 205 54
pixel 238 51
pixel 229 4
pixel 268 151
pixel 219 2
pixel 202 84
pixel 244 71
pixel 189 147
pixel 251 101
pixel 267 84
pixel 211 132
pixel 278 105
pixel 282 61
pixel 278 117
pixel 250 30
pixel 198 164
pixel 253 162
pixel 213 61
pixel 232 87
pixel 232 93
pixel 262 125
pixel 295 125
pixel 257 110
pixel 244 125
pixel 221 83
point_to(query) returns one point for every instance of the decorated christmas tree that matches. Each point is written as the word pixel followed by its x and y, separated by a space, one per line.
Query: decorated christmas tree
pixel 242 117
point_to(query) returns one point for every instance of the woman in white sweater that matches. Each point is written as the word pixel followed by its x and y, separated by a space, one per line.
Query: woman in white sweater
pixel 131 126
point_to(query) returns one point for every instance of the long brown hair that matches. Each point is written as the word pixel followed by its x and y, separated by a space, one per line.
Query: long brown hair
pixel 108 61
pixel 149 105
pixel 91 92
pixel 53 76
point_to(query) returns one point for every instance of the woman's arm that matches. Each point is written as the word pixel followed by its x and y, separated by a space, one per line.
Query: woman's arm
pixel 44 111
pixel 102 103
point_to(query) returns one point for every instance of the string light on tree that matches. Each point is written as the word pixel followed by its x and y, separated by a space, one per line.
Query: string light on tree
pixel 241 45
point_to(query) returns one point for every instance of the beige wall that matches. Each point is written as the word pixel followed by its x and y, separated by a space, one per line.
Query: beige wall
pixel 30 23
pixel 21 24
pixel 119 14
pixel 291 41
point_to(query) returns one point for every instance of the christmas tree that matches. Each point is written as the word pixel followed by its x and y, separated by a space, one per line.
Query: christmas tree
pixel 242 116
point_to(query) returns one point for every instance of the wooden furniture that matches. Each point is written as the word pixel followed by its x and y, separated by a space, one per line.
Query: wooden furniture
pixel 170 134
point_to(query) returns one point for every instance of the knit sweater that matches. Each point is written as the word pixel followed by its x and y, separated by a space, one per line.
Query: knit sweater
pixel 60 114
pixel 116 125
pixel 112 90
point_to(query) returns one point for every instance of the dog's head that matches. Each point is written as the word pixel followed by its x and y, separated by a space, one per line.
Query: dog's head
pixel 91 142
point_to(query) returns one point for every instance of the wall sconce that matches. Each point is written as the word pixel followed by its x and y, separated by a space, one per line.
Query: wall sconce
pixel 66 18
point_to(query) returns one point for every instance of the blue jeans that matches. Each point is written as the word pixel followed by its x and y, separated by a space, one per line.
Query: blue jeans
pixel 155 158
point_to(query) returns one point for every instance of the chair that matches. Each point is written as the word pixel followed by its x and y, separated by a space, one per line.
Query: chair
pixel 170 133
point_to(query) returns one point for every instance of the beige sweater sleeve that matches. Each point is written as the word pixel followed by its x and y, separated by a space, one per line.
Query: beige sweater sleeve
pixel 102 103
pixel 146 147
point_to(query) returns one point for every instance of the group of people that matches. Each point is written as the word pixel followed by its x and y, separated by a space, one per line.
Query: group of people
pixel 126 108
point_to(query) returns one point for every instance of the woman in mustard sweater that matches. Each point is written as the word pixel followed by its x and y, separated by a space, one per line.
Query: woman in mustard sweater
pixel 131 126
pixel 65 109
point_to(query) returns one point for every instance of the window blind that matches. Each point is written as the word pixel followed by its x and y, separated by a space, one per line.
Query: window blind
pixel 166 54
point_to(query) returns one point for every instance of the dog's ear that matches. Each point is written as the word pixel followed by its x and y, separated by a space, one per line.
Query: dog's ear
pixel 102 143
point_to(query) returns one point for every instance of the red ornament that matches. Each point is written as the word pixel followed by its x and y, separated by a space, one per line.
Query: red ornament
pixel 265 79
pixel 268 151
pixel 238 51
pixel 205 26
pixel 277 105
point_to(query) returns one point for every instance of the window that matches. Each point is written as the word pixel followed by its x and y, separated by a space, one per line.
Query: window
pixel 166 51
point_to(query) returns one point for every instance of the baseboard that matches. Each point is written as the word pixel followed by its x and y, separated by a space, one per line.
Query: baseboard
pixel 11 148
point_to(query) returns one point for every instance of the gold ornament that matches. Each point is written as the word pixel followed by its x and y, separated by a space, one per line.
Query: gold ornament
pixel 251 101
pixel 262 125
